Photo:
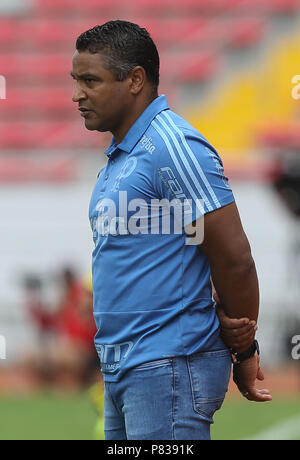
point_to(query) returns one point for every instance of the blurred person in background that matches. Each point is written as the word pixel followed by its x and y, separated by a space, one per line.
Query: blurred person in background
pixel 75 355
pixel 38 310
pixel 37 362
pixel 153 305
pixel 65 354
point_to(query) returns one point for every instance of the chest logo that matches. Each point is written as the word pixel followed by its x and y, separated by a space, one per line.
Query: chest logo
pixel 125 172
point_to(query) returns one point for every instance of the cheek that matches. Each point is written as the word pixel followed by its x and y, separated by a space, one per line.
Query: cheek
pixel 110 101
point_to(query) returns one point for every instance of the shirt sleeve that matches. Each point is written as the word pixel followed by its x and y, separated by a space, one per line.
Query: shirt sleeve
pixel 189 168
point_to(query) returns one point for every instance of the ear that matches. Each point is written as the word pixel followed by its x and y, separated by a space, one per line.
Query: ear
pixel 137 80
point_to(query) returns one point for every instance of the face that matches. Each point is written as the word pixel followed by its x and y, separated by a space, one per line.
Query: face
pixel 102 100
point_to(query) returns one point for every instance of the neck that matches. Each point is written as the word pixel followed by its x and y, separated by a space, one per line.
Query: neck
pixel 129 120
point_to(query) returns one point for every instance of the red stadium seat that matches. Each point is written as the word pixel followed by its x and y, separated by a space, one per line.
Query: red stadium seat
pixel 36 57
pixel 176 7
pixel 51 33
pixel 8 31
pixel 33 34
pixel 133 8
pixel 48 135
pixel 35 67
pixel 246 32
pixel 39 102
pixel 184 33
pixel 173 31
pixel 189 67
pixel 58 6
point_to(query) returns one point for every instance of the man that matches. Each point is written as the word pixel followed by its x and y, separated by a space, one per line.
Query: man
pixel 166 369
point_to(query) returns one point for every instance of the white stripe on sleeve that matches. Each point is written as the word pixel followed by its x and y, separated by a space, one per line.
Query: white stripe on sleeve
pixel 177 165
pixel 194 159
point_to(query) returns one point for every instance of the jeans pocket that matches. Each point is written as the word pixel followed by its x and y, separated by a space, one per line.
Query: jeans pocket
pixel 209 377
pixel 154 364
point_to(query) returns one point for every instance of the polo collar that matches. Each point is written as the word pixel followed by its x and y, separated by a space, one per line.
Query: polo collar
pixel 140 126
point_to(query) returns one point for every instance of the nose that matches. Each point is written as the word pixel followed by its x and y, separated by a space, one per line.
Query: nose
pixel 78 94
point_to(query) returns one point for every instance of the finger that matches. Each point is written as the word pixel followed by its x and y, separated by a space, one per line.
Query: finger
pixel 241 330
pixel 245 340
pixel 242 333
pixel 236 343
pixel 232 323
pixel 265 391
pixel 258 395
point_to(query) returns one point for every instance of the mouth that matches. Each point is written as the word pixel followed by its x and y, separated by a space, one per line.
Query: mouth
pixel 84 112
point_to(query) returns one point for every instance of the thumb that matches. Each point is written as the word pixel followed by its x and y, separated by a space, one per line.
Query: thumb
pixel 260 375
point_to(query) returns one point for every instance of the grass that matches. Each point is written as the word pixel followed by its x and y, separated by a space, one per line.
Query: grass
pixel 240 419
pixel 46 417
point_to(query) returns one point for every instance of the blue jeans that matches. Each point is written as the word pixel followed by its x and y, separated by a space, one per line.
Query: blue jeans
pixel 168 399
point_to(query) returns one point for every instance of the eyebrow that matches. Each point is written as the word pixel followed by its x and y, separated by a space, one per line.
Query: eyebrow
pixel 84 75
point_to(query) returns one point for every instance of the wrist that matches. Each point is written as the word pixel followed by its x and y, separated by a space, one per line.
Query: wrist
pixel 239 357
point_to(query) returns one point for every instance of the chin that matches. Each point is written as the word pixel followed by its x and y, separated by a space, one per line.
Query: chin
pixel 90 126
pixel 95 127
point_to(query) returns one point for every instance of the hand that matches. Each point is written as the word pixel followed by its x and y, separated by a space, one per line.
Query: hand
pixel 237 334
pixel 245 375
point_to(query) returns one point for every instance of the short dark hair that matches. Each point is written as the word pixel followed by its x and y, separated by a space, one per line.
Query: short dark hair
pixel 125 46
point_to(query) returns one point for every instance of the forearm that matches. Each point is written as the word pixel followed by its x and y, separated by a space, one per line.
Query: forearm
pixel 233 271
pixel 237 288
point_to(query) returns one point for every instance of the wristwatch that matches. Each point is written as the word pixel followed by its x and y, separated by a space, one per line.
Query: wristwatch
pixel 238 358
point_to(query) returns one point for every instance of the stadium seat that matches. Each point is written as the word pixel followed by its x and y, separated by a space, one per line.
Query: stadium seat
pixel 133 9
pixel 8 31
pixel 39 102
pixel 35 67
pixel 36 56
pixel 246 32
pixel 177 7
pixel 49 34
pixel 68 5
pixel 69 8
pixel 189 67
pixel 173 31
pixel 33 34
pixel 48 135
pixel 206 33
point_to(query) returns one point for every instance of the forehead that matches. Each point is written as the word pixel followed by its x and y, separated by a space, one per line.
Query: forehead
pixel 85 62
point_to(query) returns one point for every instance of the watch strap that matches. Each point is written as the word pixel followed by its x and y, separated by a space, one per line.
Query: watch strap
pixel 238 358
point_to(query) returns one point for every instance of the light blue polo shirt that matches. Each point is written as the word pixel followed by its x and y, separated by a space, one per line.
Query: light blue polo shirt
pixel 152 292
